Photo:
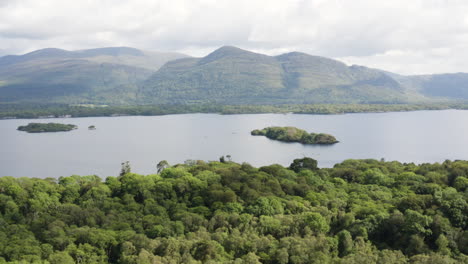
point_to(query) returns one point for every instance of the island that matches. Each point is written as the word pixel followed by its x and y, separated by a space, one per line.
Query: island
pixel 293 134
pixel 46 127
pixel 92 127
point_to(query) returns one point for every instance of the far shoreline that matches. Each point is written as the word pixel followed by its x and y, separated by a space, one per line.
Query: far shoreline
pixel 66 111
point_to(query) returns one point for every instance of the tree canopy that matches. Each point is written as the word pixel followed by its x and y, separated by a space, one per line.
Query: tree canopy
pixel 46 127
pixel 360 211
pixel 293 134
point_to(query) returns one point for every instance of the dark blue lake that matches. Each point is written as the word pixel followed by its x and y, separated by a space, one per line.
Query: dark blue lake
pixel 421 136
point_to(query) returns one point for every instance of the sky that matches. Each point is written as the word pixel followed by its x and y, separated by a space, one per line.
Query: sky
pixel 402 36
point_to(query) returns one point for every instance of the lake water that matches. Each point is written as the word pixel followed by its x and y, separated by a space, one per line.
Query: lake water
pixel 422 136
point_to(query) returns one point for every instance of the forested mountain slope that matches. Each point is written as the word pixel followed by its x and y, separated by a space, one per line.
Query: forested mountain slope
pixel 105 75
pixel 227 76
pixel 233 76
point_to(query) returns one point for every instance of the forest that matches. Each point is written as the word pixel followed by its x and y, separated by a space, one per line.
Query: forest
pixel 359 211
pixel 30 110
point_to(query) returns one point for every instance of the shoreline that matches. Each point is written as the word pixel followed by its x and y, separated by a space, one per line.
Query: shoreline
pixel 54 112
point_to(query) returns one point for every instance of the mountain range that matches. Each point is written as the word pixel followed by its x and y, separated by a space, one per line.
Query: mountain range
pixel 228 75
pixel 104 75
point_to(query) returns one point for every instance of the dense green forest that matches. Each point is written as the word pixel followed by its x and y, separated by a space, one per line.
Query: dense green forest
pixel 294 134
pixel 63 110
pixel 46 127
pixel 360 211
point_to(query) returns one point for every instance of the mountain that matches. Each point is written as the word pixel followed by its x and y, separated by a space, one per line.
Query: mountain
pixel 104 75
pixel 228 75
pixel 231 75
pixel 449 86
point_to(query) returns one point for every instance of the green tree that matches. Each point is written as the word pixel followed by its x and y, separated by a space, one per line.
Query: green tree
pixel 61 258
pixel 304 163
pixel 316 222
pixel 416 223
pixel 345 243
pixel 442 245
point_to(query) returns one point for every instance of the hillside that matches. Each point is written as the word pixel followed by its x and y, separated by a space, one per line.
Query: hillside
pixel 105 75
pixel 227 76
pixel 452 86
pixel 231 75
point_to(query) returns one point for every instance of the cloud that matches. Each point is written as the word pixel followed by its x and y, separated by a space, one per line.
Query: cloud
pixel 420 36
pixel 437 60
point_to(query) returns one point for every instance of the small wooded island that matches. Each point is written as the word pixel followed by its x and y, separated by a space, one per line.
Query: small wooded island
pixel 293 134
pixel 46 127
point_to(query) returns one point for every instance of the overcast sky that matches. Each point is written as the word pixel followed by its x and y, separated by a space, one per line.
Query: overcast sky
pixel 403 36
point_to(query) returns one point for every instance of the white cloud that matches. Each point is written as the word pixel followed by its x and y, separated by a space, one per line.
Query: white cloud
pixel 419 36
pixel 437 60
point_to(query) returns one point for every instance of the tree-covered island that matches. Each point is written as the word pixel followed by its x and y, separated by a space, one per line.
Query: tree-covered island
pixel 46 127
pixel 293 134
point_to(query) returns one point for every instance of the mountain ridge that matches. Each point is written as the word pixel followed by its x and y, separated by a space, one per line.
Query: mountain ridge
pixel 293 77
pixel 228 75
pixel 103 75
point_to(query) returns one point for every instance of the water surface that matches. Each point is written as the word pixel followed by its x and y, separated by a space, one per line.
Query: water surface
pixel 421 136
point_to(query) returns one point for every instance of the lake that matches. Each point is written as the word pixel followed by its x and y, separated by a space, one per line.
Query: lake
pixel 421 136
